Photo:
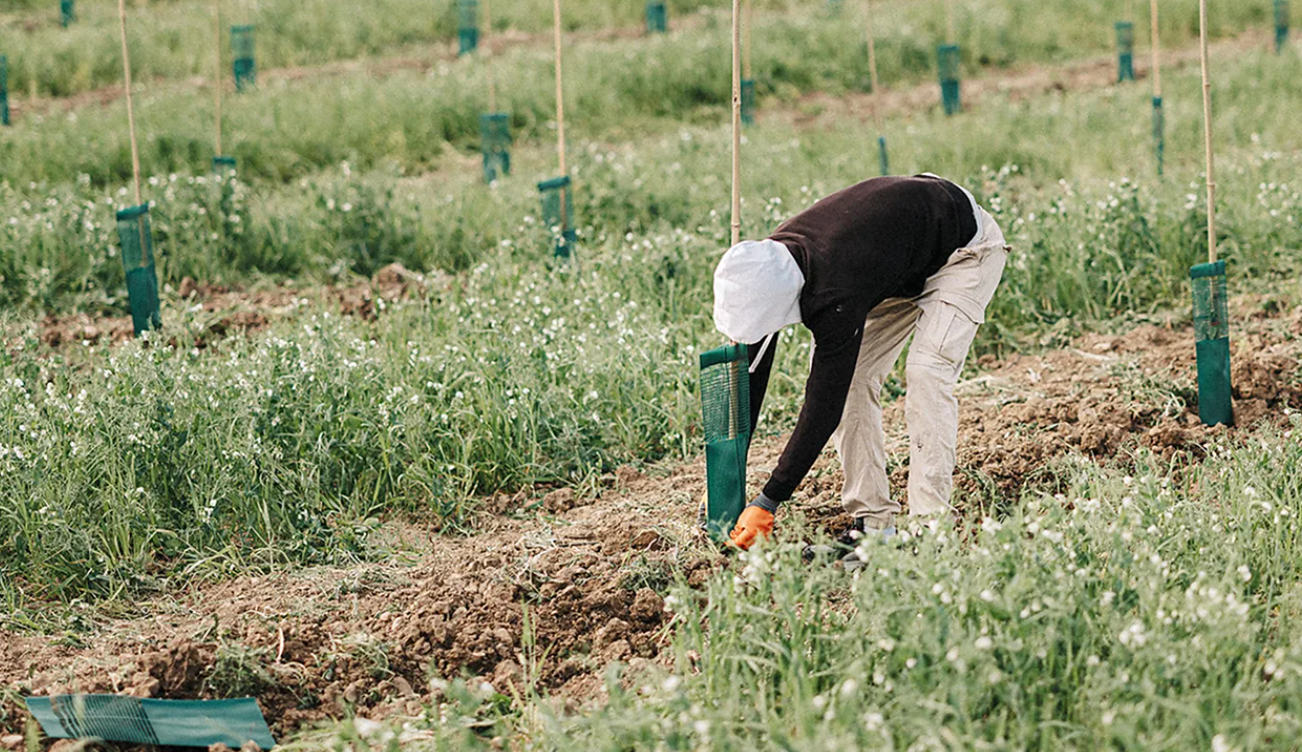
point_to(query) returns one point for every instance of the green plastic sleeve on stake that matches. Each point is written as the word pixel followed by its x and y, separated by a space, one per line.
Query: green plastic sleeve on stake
pixel 657 17
pixel 467 26
pixel 242 53
pixel 555 193
pixel 495 142
pixel 725 412
pixel 882 159
pixel 748 101
pixel 138 261
pixel 67 12
pixel 1281 25
pixel 223 165
pixel 948 59
pixel 1125 51
pixel 1212 335
pixel 4 90
pixel 1159 134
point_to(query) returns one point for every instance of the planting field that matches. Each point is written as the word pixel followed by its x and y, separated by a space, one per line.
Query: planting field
pixel 394 470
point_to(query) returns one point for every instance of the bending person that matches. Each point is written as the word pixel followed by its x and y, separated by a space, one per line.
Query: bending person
pixel 864 269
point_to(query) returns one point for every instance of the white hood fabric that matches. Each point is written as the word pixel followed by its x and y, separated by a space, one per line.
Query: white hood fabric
pixel 756 291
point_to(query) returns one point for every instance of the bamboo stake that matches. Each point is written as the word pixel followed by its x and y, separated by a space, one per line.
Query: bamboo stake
pixel 747 70
pixel 949 20
pixel 131 117
pixel 217 77
pixel 1207 129
pixel 1157 56
pixel 560 100
pixel 872 68
pixel 736 122
pixel 488 59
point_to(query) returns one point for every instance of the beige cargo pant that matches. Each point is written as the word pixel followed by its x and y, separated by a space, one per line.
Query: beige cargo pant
pixel 943 321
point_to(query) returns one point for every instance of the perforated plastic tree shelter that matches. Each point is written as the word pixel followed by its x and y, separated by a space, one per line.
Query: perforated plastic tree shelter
pixel 1159 133
pixel 657 17
pixel 67 12
pixel 173 723
pixel 1212 336
pixel 138 261
pixel 558 214
pixel 467 26
pixel 223 165
pixel 243 65
pixel 949 59
pixel 495 136
pixel 1125 51
pixel 748 101
pixel 1281 25
pixel 4 90
pixel 883 159
pixel 725 412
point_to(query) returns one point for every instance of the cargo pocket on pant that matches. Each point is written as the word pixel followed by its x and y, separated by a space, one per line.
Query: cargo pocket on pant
pixel 945 336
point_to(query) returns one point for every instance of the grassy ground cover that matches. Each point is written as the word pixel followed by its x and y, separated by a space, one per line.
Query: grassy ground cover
pixel 174 39
pixel 279 448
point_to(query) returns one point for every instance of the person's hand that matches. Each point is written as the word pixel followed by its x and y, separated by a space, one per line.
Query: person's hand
pixel 755 524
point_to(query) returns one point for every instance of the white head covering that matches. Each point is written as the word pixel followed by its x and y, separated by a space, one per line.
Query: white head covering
pixel 756 291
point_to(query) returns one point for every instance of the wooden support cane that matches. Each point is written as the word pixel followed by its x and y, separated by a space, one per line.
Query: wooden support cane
pixel 560 101
pixel 736 122
pixel 488 58
pixel 883 161
pixel 949 21
pixel 1207 131
pixel 1157 52
pixel 131 117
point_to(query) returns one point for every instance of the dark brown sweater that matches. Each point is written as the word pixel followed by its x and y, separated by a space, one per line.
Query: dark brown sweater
pixel 879 239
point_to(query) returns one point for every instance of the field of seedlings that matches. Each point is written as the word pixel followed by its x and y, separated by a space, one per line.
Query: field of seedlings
pixel 396 470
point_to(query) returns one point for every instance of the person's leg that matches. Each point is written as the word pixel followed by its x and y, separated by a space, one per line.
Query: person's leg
pixel 953 307
pixel 860 440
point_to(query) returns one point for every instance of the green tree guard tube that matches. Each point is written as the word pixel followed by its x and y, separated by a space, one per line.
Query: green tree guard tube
pixel 138 261
pixel 725 409
pixel 1281 25
pixel 223 165
pixel 1212 337
pixel 657 17
pixel 495 136
pixel 881 155
pixel 245 69
pixel 4 90
pixel 1125 51
pixel 467 26
pixel 67 12
pixel 748 101
pixel 949 58
pixel 558 214
pixel 1159 133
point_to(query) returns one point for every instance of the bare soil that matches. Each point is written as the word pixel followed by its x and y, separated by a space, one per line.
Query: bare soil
pixel 587 572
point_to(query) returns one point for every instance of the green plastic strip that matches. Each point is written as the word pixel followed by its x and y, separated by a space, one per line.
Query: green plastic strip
pixel 1281 25
pixel 171 723
pixel 725 410
pixel 223 164
pixel 748 101
pixel 467 26
pixel 1159 134
pixel 558 214
pixel 495 142
pixel 1212 335
pixel 1125 51
pixel 242 52
pixel 67 12
pixel 138 261
pixel 948 59
pixel 657 17
pixel 883 160
pixel 4 90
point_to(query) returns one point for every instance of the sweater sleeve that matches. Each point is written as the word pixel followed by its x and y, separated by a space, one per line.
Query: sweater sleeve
pixel 830 376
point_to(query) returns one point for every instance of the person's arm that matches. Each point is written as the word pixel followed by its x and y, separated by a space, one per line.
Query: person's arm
pixel 759 376
pixel 825 394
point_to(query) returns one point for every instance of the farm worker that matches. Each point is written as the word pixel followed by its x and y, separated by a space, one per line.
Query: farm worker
pixel 863 269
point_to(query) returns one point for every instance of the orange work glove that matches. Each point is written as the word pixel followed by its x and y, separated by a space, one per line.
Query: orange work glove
pixel 755 524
